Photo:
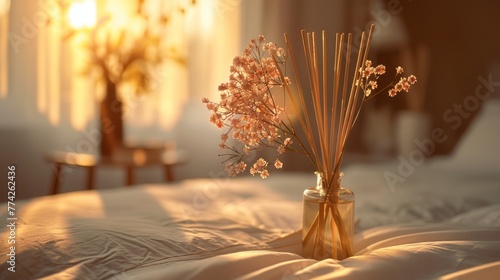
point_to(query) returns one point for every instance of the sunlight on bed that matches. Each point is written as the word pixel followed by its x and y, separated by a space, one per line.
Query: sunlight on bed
pixel 443 217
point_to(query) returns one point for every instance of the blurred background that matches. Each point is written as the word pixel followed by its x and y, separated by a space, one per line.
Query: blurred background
pixel 59 61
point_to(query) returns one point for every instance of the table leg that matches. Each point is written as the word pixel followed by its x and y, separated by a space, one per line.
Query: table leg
pixel 169 174
pixel 130 175
pixel 56 180
pixel 90 177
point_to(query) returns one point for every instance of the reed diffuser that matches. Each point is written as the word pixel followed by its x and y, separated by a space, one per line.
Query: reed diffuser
pixel 249 112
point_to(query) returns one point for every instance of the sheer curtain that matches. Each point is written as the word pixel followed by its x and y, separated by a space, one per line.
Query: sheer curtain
pixel 4 28
pixel 48 66
pixel 207 36
pixel 201 42
pixel 214 39
pixel 154 113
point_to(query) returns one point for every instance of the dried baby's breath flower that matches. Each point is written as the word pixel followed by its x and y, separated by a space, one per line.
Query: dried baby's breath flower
pixel 249 112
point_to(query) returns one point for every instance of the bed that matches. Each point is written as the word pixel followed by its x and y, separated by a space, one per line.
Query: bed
pixel 442 221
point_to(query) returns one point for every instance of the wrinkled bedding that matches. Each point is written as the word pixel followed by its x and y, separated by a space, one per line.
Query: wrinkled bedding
pixel 249 228
pixel 440 221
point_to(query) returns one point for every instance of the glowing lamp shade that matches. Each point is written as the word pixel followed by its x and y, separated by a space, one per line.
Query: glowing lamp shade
pixel 82 14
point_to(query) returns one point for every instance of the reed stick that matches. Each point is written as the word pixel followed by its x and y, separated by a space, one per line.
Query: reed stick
pixel 334 118
pixel 302 116
pixel 325 96
pixel 339 39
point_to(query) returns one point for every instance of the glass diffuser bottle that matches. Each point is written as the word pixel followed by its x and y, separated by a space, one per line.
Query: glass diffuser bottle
pixel 328 223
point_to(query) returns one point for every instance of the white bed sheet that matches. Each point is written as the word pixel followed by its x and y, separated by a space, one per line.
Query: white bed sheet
pixel 98 234
pixel 248 228
pixel 419 231
pixel 442 221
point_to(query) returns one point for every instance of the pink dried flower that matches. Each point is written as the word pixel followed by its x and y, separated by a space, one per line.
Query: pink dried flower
pixel 278 164
pixel 233 169
pixel 380 69
pixel 249 112
pixel 392 92
pixel 281 149
pixel 247 107
pixel 264 174
pixel 406 86
pixel 260 167
pixel 211 106
pixel 260 163
pixel 223 137
pixel 246 150
pixel 222 87
pixel 287 81
pixel 398 87
pixel 366 73
pixel 215 119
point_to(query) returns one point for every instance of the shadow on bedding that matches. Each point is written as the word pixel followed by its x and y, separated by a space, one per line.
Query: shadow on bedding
pixel 89 235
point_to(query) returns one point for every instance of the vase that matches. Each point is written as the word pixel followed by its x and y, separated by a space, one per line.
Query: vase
pixel 327 224
pixel 111 121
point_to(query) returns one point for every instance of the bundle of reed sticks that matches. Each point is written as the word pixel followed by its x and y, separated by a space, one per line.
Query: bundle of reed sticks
pixel 336 109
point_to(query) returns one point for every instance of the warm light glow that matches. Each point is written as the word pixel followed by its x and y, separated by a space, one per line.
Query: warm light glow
pixel 82 14
pixel 81 86
pixel 207 16
pixel 48 70
pixel 120 13
pixel 174 88
pixel 4 6
pixel 4 28
pixel 65 96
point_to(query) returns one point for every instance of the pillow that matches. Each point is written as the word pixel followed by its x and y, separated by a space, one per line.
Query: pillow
pixel 479 148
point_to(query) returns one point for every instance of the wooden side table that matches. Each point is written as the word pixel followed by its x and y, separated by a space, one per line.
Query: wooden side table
pixel 135 158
